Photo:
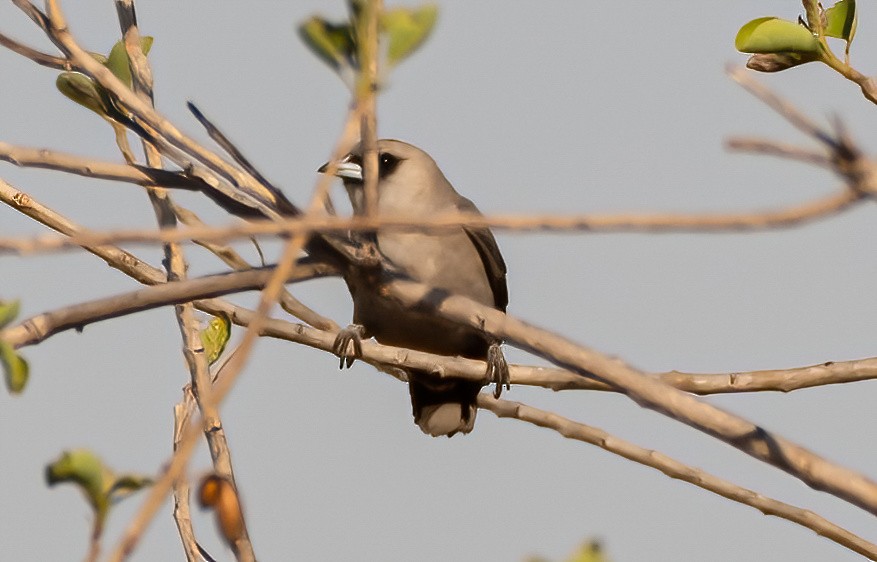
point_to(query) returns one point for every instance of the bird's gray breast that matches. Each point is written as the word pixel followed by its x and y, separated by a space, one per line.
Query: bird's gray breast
pixel 448 261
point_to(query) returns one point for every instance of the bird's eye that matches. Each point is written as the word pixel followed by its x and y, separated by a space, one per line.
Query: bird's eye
pixel 386 164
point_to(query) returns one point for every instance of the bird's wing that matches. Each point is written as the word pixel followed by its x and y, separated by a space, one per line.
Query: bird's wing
pixel 488 249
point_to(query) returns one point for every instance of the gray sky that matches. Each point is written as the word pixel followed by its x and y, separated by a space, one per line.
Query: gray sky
pixel 565 107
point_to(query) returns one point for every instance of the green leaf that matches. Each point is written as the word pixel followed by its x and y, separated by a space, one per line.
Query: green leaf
pixel 591 551
pixel 117 62
pixel 98 57
pixel 8 311
pixel 774 35
pixel 406 30
pixel 88 93
pixel 88 472
pixel 15 368
pixel 96 481
pixel 215 337
pixel 333 44
pixel 127 484
pixel 84 91
pixel 841 20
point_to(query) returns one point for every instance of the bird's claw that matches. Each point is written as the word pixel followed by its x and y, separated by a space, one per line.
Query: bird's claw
pixel 350 335
pixel 498 369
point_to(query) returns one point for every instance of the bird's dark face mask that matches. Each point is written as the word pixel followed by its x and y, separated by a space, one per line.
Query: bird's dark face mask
pixel 350 170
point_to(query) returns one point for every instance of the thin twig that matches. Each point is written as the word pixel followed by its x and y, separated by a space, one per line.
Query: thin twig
pixel 38 57
pixel 678 470
pixel 146 115
pixel 192 179
pixel 225 143
pixel 35 14
pixel 781 106
pixel 26 157
pixel 781 150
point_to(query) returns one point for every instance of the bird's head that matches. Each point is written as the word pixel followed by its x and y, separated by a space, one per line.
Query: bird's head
pixel 409 180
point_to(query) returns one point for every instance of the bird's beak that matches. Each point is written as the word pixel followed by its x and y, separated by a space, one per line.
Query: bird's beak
pixel 345 169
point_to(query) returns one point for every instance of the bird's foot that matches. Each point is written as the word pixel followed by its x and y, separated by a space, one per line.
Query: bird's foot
pixel 352 334
pixel 363 252
pixel 498 369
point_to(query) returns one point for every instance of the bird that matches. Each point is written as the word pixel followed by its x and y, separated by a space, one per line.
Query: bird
pixel 464 261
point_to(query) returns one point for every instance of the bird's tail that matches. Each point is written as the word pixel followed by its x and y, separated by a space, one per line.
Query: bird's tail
pixel 443 407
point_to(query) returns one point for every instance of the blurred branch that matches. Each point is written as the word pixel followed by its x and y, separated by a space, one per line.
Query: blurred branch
pixel 233 367
pixel 365 21
pixel 193 349
pixel 233 259
pixel 790 216
pixel 785 108
pixel 781 150
pixel 678 470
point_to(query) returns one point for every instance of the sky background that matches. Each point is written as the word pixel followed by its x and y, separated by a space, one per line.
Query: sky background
pixel 569 107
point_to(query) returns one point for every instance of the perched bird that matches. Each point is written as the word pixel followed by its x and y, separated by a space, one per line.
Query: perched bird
pixel 464 261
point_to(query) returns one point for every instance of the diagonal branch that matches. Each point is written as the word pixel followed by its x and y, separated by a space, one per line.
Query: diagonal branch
pixel 60 35
pixel 38 57
pixel 115 257
pixel 815 471
pixel 233 202
pixel 675 469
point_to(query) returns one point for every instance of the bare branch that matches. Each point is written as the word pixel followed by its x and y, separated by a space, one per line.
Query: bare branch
pixel 145 114
pixel 707 223
pixel 815 471
pixel 115 257
pixel 182 514
pixel 165 210
pixel 235 203
pixel 678 470
pixel 783 380
pixel 782 150
pixel 225 143
pixel 38 328
pixel 781 106
pixel 366 23
pixel 35 14
pixel 52 160
pixel 38 57
pixel 232 258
